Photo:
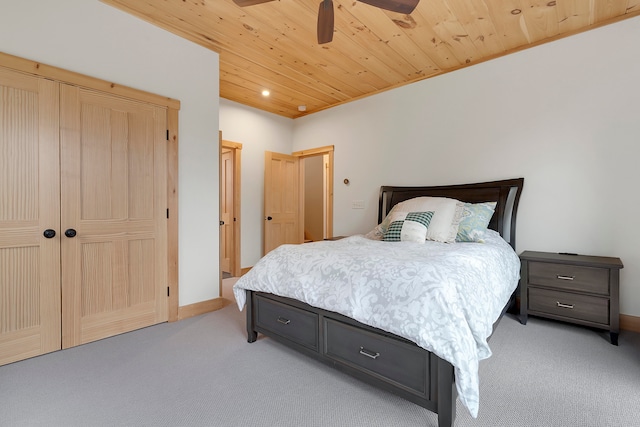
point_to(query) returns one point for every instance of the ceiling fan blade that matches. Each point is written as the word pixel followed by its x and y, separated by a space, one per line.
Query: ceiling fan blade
pixel 243 3
pixel 325 22
pixel 400 6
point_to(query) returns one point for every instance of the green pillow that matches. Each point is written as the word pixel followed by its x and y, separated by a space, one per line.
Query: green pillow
pixel 475 219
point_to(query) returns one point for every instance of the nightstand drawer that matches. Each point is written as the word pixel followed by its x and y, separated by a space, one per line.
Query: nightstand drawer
pixel 574 306
pixel 570 277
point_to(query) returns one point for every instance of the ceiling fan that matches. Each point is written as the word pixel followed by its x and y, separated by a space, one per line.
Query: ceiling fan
pixel 325 13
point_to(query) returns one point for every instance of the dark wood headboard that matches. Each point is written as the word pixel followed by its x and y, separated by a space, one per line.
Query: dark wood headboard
pixel 505 193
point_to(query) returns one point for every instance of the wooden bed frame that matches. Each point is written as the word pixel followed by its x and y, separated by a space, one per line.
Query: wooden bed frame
pixel 370 354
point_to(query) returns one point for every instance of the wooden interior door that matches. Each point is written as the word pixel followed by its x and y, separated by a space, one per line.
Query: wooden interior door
pixel 281 201
pixel 230 200
pixel 29 205
pixel 226 210
pixel 113 214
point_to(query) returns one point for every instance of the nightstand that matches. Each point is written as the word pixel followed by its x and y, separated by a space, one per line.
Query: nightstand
pixel 579 289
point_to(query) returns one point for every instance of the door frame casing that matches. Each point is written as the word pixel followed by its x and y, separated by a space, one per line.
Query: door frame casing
pixel 172 213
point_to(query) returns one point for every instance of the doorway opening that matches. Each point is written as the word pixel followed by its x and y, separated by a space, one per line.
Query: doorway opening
pixel 316 189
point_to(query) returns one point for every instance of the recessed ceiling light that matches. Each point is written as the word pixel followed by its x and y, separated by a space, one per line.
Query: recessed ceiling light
pixel 265 93
pixel 302 108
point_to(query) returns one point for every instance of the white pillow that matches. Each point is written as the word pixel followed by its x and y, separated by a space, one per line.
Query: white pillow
pixel 444 224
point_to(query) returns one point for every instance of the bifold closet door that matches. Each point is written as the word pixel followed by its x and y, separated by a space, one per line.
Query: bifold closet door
pixel 113 215
pixel 29 211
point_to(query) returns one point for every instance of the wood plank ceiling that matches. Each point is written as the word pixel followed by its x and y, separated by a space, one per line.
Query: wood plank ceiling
pixel 273 45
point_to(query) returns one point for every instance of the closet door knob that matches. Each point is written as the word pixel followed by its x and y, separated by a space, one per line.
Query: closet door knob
pixel 49 233
pixel 70 232
pixel 269 218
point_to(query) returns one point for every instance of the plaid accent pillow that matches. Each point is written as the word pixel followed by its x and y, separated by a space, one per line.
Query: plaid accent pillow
pixel 408 227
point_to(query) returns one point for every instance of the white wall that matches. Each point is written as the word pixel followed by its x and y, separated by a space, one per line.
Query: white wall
pixel 257 131
pixel 564 115
pixel 92 38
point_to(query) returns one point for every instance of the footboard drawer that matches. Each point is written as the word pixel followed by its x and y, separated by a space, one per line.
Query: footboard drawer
pixel 404 364
pixel 297 325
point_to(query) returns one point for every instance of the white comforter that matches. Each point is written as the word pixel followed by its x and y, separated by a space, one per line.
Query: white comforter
pixel 444 297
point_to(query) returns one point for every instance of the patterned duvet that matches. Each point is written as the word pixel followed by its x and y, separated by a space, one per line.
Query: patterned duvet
pixel 445 297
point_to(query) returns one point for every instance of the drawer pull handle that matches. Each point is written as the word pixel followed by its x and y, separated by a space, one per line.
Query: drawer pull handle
pixel 283 320
pixel 369 353
pixel 561 305
pixel 565 277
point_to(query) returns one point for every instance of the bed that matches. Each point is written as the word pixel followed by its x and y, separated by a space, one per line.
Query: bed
pixel 410 317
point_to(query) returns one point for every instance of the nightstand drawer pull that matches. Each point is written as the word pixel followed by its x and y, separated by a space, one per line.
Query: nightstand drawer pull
pixel 283 320
pixel 369 353
pixel 565 277
pixel 561 305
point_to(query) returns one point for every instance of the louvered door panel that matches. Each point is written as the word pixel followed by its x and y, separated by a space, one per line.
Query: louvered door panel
pixel 29 204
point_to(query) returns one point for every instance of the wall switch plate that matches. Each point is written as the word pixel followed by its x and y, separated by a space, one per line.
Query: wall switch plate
pixel 357 204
